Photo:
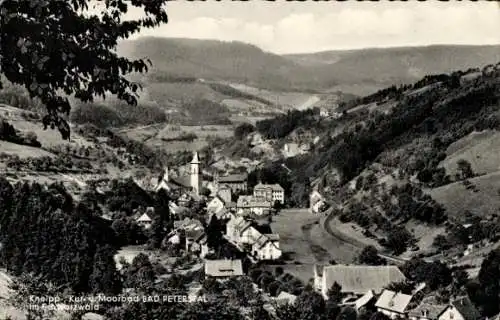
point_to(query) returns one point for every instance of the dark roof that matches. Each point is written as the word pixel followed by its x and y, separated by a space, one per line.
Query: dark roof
pixel 466 308
pixel 241 177
pixel 181 181
pixel 428 310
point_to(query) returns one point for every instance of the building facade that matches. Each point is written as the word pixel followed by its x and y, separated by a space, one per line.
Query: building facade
pixel 269 192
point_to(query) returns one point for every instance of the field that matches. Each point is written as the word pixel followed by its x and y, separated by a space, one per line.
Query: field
pixel 457 199
pixel 480 149
pixel 23 151
pixel 154 136
pixel 291 99
pixel 305 243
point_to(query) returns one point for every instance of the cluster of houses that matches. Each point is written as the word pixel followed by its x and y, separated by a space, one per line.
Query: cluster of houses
pixel 364 287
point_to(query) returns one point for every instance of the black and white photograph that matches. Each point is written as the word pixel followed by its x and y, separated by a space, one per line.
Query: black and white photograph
pixel 249 160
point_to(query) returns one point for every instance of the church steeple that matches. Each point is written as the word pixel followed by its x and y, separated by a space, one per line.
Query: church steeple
pixel 195 173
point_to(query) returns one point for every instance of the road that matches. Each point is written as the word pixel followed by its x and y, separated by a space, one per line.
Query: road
pixel 326 224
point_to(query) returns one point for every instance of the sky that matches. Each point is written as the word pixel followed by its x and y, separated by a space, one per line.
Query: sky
pixel 299 27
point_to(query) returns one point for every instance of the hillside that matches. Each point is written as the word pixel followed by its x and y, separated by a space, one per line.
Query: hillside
pixel 404 160
pixel 175 59
pixel 364 71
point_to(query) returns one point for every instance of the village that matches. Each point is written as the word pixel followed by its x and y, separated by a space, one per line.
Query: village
pixel 244 227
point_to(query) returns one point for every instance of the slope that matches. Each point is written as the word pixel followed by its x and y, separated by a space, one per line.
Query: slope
pixel 364 71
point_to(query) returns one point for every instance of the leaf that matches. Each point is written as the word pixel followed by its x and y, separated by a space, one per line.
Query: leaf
pixel 20 42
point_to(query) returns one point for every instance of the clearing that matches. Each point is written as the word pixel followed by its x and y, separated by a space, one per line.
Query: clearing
pixel 457 199
pixel 304 241
pixel 480 149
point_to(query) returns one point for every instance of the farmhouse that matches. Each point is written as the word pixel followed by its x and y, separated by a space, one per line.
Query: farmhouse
pixel 269 192
pixel 267 247
pixel 236 182
pixel 250 205
pixel 393 304
pixel 223 269
pixel 460 309
pixel 427 311
pixel 355 280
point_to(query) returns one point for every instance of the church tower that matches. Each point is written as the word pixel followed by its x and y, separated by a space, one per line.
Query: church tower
pixel 195 174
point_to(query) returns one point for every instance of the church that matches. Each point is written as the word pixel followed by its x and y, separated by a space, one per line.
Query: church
pixel 191 183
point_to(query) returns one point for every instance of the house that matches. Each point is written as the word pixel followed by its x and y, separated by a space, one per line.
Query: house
pixel 240 230
pixel 324 112
pixel 269 192
pixel 225 193
pixel 393 304
pixel 236 182
pixel 223 269
pixel 144 221
pixel 267 247
pixel 355 279
pixel 250 205
pixel 460 309
pixel 196 242
pixel 427 311
pixel 316 202
pixel 216 205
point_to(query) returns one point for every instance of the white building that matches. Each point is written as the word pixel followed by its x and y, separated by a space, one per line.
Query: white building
pixel 269 192
pixel 267 247
pixel 460 309
pixel 316 202
pixel 191 183
pixel 223 269
pixel 393 304
pixel 144 221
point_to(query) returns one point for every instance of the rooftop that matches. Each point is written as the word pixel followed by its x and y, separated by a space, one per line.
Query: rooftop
pixel 360 279
pixel 428 310
pixel 393 301
pixel 223 268
pixel 239 177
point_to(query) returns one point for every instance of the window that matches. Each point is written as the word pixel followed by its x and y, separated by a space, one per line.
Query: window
pixel 451 314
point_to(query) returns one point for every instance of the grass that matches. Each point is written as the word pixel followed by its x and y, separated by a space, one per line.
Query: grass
pixel 291 99
pixel 306 243
pixel 457 199
pixel 480 149
pixel 23 151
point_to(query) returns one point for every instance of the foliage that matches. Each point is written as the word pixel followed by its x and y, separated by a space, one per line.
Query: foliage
pixel 435 274
pixel 68 258
pixel 369 255
pixel 464 170
pixel 489 283
pixel 282 125
pixel 243 130
pixel 51 47
pixel 10 134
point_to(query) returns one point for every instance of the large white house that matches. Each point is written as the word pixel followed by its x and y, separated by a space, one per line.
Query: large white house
pixel 269 192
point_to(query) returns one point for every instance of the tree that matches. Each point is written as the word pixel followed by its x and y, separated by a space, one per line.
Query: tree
pixel 54 47
pixel 243 130
pixel 310 304
pixel 490 283
pixel 335 293
pixel 369 255
pixel 214 234
pixel 464 170
pixel 105 278
pixel 347 313
pixel 405 287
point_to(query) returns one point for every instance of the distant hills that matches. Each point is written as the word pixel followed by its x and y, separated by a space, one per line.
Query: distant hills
pixel 358 72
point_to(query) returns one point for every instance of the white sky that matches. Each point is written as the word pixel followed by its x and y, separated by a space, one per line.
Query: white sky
pixel 294 27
